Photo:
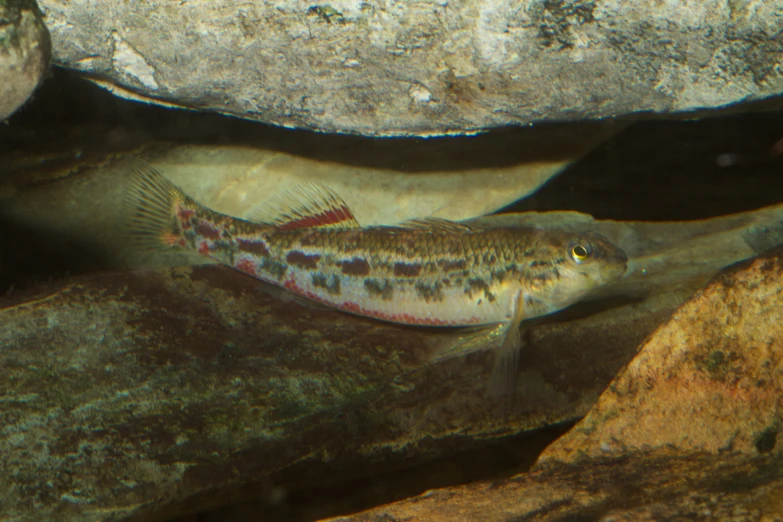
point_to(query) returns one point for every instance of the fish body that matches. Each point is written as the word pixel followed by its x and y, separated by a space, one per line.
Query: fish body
pixel 427 272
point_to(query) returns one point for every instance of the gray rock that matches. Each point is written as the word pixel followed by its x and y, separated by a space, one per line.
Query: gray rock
pixel 424 68
pixel 24 53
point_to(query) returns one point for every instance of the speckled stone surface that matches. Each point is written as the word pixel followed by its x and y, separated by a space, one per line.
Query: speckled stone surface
pixel 710 380
pixel 24 53
pixel 689 430
pixel 127 394
pixel 429 67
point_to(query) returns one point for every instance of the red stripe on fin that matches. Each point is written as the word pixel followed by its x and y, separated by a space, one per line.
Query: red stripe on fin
pixel 307 206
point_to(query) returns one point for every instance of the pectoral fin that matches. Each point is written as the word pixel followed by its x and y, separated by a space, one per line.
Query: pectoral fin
pixel 474 339
pixel 504 372
pixel 505 338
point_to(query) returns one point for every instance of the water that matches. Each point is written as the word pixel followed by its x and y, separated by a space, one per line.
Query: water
pixel 60 218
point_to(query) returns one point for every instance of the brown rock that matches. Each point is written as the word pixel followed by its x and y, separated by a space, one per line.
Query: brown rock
pixel 711 379
pixel 655 486
pixel 132 394
pixel 689 430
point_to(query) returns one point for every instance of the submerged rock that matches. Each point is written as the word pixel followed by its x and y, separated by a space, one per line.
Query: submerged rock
pixel 423 68
pixel 642 487
pixel 689 429
pixel 710 380
pixel 127 394
pixel 174 391
pixel 24 53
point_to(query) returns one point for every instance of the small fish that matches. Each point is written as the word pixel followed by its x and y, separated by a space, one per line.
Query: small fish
pixel 429 272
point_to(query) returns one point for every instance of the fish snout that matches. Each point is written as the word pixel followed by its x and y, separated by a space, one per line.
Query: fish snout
pixel 617 262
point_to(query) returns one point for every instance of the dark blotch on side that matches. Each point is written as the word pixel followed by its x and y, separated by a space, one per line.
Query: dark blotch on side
pixel 275 268
pixel 430 292
pixel 406 270
pixel 301 259
pixel 207 230
pixel 379 288
pixel 355 267
pixel 253 247
pixel 476 285
pixel 331 284
pixel 451 266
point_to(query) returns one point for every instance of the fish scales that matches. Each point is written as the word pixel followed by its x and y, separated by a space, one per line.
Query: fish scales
pixel 426 272
pixel 409 276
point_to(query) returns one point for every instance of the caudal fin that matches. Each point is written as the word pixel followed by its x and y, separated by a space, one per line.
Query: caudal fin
pixel 151 206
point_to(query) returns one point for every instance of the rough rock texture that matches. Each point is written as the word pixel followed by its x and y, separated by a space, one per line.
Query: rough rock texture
pixel 429 67
pixel 689 430
pixel 659 486
pixel 181 387
pixel 710 380
pixel 24 53
pixel 126 394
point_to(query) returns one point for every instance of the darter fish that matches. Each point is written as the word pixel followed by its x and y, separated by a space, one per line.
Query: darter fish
pixel 425 272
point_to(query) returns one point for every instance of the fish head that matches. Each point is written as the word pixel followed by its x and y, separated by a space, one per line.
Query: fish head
pixel 577 263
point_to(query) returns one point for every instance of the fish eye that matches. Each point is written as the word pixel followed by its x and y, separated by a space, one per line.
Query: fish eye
pixel 580 252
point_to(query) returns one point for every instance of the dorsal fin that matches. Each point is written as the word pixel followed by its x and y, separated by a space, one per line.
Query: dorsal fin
pixel 305 206
pixel 434 223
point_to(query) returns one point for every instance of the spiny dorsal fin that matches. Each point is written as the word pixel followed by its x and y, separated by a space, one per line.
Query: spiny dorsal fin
pixel 434 223
pixel 305 206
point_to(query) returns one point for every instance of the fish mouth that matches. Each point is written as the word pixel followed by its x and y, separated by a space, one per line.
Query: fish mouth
pixel 619 262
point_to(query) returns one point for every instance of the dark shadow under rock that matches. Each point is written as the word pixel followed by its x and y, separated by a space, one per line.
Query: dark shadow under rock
pixel 644 487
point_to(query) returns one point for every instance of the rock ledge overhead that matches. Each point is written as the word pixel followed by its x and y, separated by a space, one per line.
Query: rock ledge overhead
pixel 24 53
pixel 429 67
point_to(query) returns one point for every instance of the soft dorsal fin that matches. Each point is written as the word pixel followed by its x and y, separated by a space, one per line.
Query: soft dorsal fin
pixel 434 223
pixel 305 206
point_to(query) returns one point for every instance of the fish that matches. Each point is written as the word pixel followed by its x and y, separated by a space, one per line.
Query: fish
pixel 424 272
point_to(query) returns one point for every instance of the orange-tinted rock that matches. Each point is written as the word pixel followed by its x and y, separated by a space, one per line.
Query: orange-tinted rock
pixel 711 379
pixel 657 486
pixel 688 431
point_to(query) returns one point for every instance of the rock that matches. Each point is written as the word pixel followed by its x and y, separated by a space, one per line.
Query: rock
pixel 424 68
pixel 128 394
pixel 689 429
pixel 24 53
pixel 710 380
pixel 384 181
pixel 184 386
pixel 642 487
